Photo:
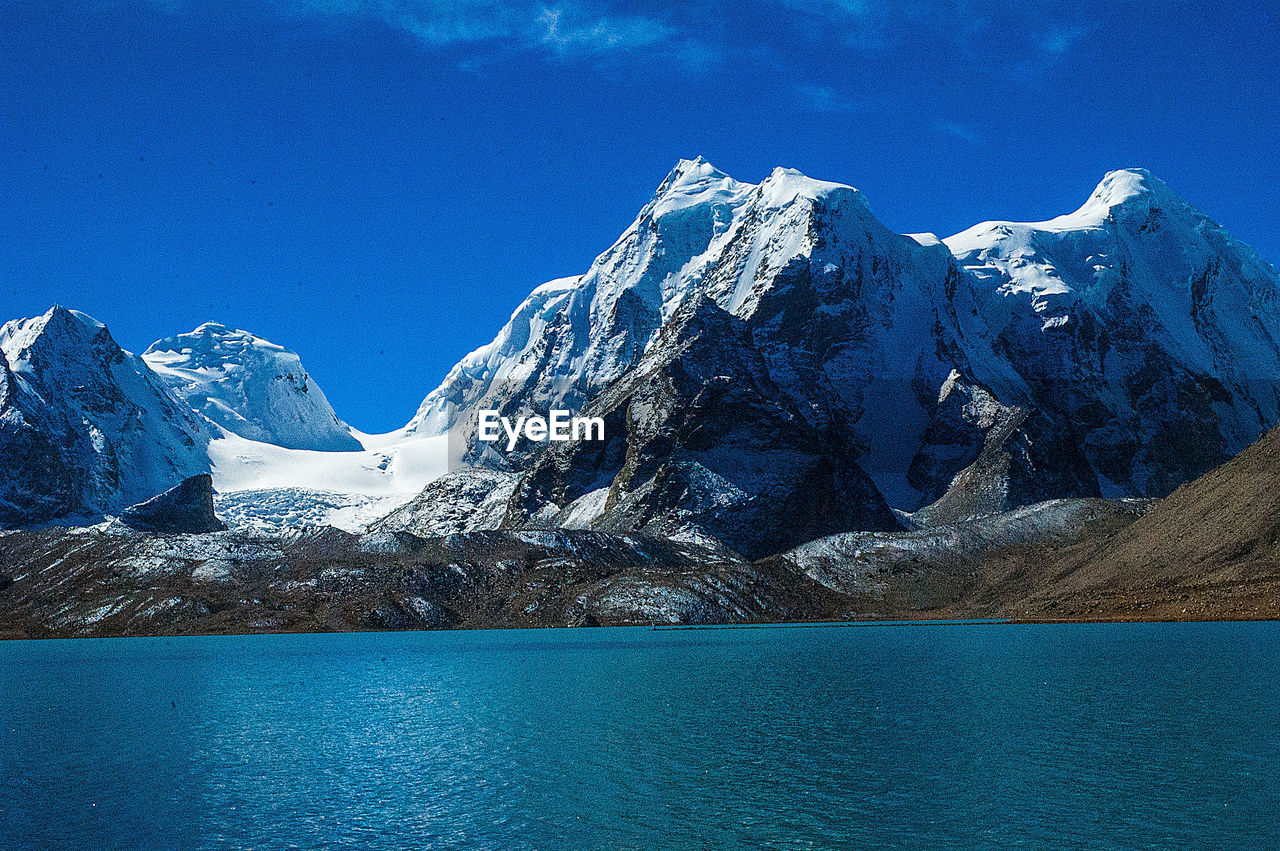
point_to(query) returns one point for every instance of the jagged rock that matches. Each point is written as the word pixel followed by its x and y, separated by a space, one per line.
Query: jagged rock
pixel 467 500
pixel 702 445
pixel 186 509
pixel 85 427
pixel 1023 459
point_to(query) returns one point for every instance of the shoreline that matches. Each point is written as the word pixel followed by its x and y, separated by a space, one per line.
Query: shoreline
pixel 8 637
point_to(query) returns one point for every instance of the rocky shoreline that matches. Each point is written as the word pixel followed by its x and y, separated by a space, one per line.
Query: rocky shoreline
pixel 1043 563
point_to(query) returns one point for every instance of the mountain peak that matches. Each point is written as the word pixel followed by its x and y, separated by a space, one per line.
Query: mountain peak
pixel 249 386
pixel 1128 191
pixel 1122 185
pixel 687 174
pixel 54 327
pixel 1123 189
pixel 66 317
pixel 694 182
pixel 784 185
pixel 212 339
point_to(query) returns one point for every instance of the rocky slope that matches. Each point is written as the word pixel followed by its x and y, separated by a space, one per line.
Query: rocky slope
pixel 1136 325
pixel 1212 541
pixel 1117 351
pixel 1044 562
pixel 110 581
pixel 85 427
pixel 702 445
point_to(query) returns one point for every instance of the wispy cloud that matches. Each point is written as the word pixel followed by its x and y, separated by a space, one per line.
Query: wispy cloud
pixel 1058 42
pixel 568 30
pixel 568 33
pixel 1020 38
pixel 814 98
pixel 958 131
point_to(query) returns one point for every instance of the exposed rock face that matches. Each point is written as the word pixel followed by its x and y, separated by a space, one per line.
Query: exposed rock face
pixel 464 501
pixel 701 444
pixel 1137 327
pixel 185 509
pixel 250 387
pixel 85 428
pixel 1115 351
pixel 36 482
pixel 1023 457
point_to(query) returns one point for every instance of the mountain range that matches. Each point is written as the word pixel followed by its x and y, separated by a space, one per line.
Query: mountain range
pixel 774 366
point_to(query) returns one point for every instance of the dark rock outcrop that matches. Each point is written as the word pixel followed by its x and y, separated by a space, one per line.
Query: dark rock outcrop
pixel 186 509
pixel 701 443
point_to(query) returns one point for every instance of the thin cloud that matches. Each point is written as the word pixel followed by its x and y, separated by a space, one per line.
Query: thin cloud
pixel 959 131
pixel 565 34
pixel 1060 41
pixel 570 30
pixel 814 98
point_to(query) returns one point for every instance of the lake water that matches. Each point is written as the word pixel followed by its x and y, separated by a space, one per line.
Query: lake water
pixel 791 737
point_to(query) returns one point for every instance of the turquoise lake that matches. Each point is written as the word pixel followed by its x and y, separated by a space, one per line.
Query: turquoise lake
pixel 1130 735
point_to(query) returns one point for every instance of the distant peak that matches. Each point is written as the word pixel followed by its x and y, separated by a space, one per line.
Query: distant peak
pixel 690 172
pixel 1124 184
pixel 216 328
pixel 209 337
pixel 63 315
pixel 784 185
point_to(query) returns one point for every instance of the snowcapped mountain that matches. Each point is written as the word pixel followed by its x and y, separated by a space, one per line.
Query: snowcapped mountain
pixel 85 427
pixel 851 317
pixel 1137 324
pixel 250 387
pixel 771 361
pixel 1119 350
pixel 88 429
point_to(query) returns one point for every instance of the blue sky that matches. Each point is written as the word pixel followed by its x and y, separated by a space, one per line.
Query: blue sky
pixel 377 183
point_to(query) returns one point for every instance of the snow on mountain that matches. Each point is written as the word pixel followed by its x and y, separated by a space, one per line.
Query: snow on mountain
pixel 88 429
pixel 1118 350
pixel 1138 321
pixel 389 465
pixel 85 427
pixel 847 313
pixel 572 336
pixel 250 387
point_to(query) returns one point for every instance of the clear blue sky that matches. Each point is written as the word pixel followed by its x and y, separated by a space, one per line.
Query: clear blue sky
pixel 377 183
